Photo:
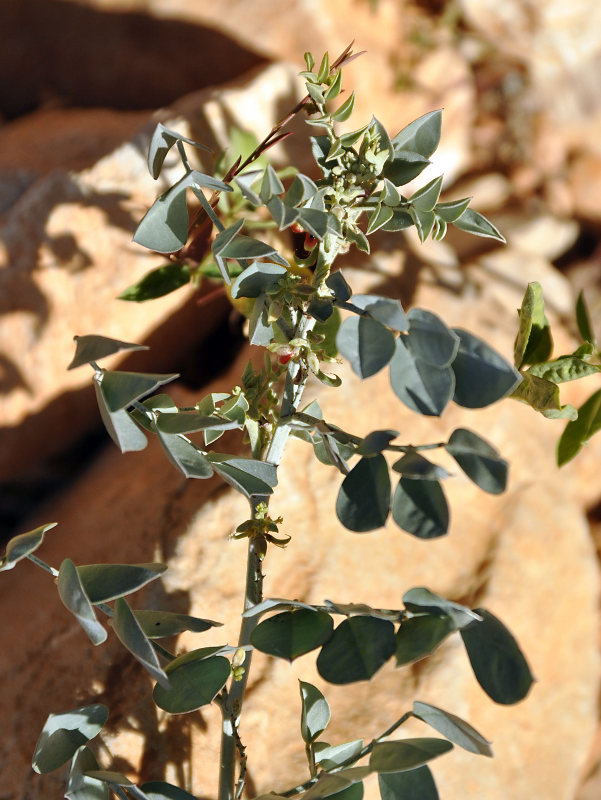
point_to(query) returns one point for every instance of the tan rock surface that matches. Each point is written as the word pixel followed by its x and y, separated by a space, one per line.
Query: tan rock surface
pixel 526 555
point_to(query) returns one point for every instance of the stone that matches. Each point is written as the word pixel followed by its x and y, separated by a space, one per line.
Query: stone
pixel 526 555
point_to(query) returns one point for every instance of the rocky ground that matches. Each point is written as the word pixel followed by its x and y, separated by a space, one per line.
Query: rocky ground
pixel 522 123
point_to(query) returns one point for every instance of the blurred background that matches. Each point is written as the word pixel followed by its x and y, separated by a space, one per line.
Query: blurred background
pixel 82 85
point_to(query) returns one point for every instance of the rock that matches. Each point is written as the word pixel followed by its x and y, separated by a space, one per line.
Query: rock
pixel 526 555
pixel 585 185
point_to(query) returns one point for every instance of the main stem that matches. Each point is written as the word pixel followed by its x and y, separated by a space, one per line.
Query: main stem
pixel 231 705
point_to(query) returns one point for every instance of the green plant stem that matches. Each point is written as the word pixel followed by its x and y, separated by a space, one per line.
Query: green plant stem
pixel 43 565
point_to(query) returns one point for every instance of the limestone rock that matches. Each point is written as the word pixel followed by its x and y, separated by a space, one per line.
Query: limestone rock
pixel 526 555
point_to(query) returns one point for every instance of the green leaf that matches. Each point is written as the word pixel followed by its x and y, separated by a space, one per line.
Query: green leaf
pixel 282 213
pixel 420 599
pixel 75 599
pixel 430 339
pixel 426 198
pixel 453 728
pixel 583 319
pixel 181 422
pixel 63 734
pixel 245 183
pixel 414 465
pixel 103 582
pixel 315 712
pixel 159 790
pixel 292 633
pixel 274 604
pixel 107 776
pixel 424 222
pixel 271 184
pixel 543 396
pixel 386 310
pixel 403 167
pixel 399 221
pixel 344 111
pixel 157 283
pixel 357 649
pixel 256 279
pixel 363 500
pixel 479 460
pixel 301 190
pixel 580 430
pixel 563 369
pixel 119 425
pixel 162 141
pixel 21 546
pixel 355 236
pixel 92 348
pixel 121 389
pixel 335 86
pixel 482 375
pixel 406 754
pixel 185 456
pixel 132 637
pixel 362 609
pixel 420 508
pixel 375 442
pixel 314 221
pixel 159 624
pixel 381 215
pixel 422 135
pixel 533 342
pixel 420 635
pixel 475 223
pixel 415 784
pixel 366 344
pixel 79 786
pixel 422 387
pixel 193 684
pixel 246 475
pixel 498 663
pixel 243 247
pixel 330 756
pixel 353 792
pixel 452 210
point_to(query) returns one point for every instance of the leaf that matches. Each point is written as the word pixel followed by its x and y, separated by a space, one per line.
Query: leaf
pixel 260 330
pixel 103 582
pixel 422 135
pixel 301 190
pixel 159 790
pixel 181 422
pixel 426 198
pixel 420 508
pixel 420 635
pixel 497 661
pixel 399 221
pixel 162 141
pixel 543 396
pixel 159 624
pixel 79 786
pixel 21 546
pixel 121 389
pixel 315 712
pixel 362 609
pixel 363 500
pixel 291 634
pixel 132 637
pixel 246 475
pixel 381 215
pixel 238 247
pixel 415 784
pixel 452 210
pixel 561 370
pixel 193 684
pixel 482 375
pixel 314 221
pixel 185 456
pixel 424 222
pixel 475 223
pixel 274 604
pixel 63 734
pixel 375 442
pixel 157 283
pixel 366 344
pixel 430 339
pixel 271 185
pixel 580 430
pixel 403 167
pixel 357 649
pixel 75 599
pixel 420 599
pixel 119 425
pixel 330 756
pixel 453 728
pixel 406 754
pixel 386 310
pixel 245 183
pixel 415 466
pixel 533 342
pixel 107 776
pixel 92 348
pixel 583 320
pixel 344 111
pixel 479 460
pixel 256 279
pixel 422 387
pixel 282 213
